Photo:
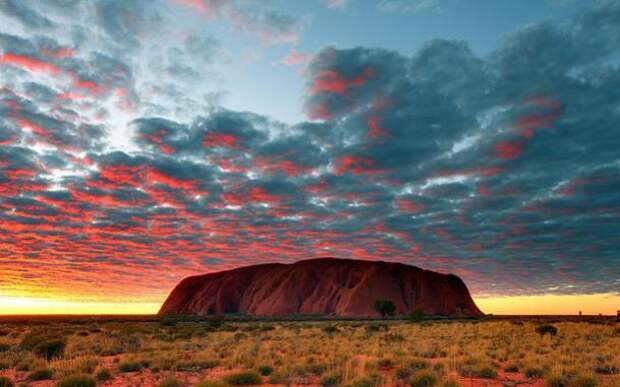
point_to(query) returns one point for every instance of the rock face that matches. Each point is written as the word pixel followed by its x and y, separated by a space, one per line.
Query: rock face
pixel 324 286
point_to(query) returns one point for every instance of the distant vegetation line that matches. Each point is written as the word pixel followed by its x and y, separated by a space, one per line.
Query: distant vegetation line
pixel 300 318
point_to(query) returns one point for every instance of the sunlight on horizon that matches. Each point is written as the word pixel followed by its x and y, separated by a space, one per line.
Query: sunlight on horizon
pixel 590 304
pixel 26 305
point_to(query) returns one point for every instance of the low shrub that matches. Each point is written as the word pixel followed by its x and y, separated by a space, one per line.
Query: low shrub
pixel 330 380
pixel 547 329
pixel 511 368
pixel 130 366
pixel 265 370
pixel 423 379
pixel 78 381
pixel 557 381
pixel 31 339
pixel 606 369
pixel 534 373
pixel 50 349
pixel 103 374
pixel 393 338
pixel 487 372
pixel 371 328
pixel 402 373
pixel 247 378
pixel 41 374
pixel 316 369
pixel 418 364
pixel 196 365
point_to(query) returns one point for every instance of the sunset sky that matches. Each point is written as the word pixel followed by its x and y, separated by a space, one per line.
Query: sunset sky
pixel 144 141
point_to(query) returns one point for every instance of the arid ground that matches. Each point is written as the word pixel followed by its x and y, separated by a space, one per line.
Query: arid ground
pixel 361 353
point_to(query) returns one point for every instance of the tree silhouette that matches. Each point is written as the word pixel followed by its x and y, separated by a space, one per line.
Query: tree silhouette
pixel 385 308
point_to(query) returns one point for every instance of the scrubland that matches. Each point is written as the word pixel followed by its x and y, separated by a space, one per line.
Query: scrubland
pixel 218 353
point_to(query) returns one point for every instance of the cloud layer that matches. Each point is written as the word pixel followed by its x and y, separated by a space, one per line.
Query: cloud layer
pixel 503 169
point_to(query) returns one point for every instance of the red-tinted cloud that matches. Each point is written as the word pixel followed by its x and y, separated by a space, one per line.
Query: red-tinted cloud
pixel 29 63
pixel 333 82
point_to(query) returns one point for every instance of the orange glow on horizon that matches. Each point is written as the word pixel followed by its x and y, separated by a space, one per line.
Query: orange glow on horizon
pixel 592 304
pixel 551 304
pixel 29 305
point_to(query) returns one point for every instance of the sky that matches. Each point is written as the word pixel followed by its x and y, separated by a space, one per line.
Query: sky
pixel 144 141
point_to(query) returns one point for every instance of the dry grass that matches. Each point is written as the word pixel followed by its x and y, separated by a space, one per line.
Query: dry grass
pixel 357 354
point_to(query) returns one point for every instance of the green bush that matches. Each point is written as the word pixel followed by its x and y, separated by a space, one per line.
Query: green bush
pixel 6 382
pixel 557 381
pixel 49 349
pixel 170 381
pixel 196 365
pixel 264 370
pixel 547 329
pixel 393 338
pixel 316 369
pixel 330 329
pixel 534 373
pixel 402 373
pixel 423 379
pixel 331 380
pixel 31 339
pixel 385 308
pixel 511 368
pixel 487 372
pixel 247 378
pixel 606 369
pixel 371 328
pixel 418 364
pixel 78 381
pixel 130 366
pixel 417 315
pixel 41 374
pixel 103 375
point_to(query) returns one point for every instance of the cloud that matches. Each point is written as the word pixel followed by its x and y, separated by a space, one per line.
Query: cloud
pixel 251 18
pixel 502 168
pixel 270 27
pixel 24 14
pixel 337 4
pixel 408 6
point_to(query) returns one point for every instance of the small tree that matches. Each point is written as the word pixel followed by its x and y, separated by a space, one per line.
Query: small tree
pixel 385 308
pixel 417 315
